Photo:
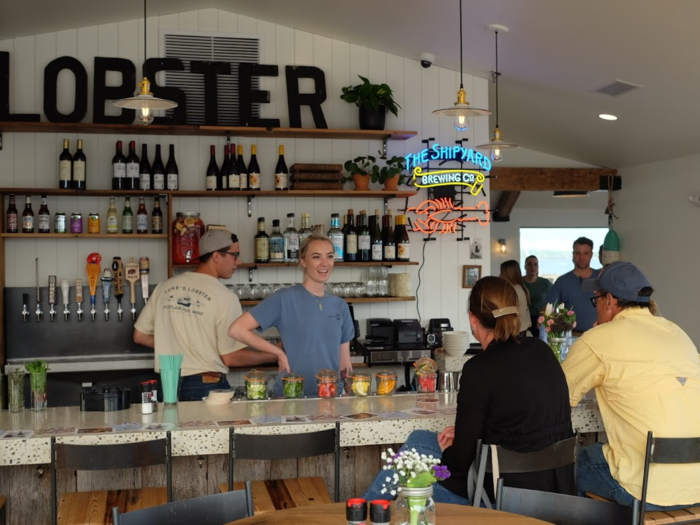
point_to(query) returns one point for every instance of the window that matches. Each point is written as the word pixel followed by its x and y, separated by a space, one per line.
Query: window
pixel 553 247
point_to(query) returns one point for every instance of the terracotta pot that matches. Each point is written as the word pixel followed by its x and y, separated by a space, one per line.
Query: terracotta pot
pixel 392 184
pixel 372 119
pixel 361 181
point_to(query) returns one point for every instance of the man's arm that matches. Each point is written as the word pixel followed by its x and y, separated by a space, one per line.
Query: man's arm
pixel 144 339
pixel 246 357
pixel 583 370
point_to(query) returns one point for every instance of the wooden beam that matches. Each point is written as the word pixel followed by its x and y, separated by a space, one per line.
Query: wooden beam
pixel 551 179
pixel 506 202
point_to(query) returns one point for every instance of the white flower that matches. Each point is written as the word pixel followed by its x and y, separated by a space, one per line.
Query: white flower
pixel 413 474
pixel 383 491
pixel 388 479
pixel 548 309
pixel 393 493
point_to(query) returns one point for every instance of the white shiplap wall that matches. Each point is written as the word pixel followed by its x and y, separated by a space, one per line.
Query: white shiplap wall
pixel 30 159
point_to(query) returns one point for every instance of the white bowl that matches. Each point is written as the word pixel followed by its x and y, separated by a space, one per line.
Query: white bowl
pixel 454 351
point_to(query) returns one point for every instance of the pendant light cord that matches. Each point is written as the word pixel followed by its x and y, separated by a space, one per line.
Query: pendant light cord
pixel 145 48
pixel 461 59
pixel 497 74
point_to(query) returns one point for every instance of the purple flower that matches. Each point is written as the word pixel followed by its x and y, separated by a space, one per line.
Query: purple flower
pixel 440 472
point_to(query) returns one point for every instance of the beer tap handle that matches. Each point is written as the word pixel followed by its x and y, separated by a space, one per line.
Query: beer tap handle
pixel 132 275
pixel 79 298
pixel 65 296
pixel 52 297
pixel 106 290
pixel 25 305
pixel 144 267
pixel 118 283
pixel 38 293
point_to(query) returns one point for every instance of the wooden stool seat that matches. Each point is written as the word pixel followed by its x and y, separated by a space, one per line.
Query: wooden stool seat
pixel 660 517
pixel 279 494
pixel 96 507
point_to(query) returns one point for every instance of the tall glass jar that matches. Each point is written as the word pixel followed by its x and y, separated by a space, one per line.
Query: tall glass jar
pixel 415 507
pixel 256 384
pixel 293 386
pixel 327 381
pixel 359 383
pixel 37 388
pixel 187 229
pixel 15 390
pixel 386 382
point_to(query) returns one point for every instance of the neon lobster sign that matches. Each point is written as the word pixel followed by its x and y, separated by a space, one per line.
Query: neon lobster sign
pixel 434 214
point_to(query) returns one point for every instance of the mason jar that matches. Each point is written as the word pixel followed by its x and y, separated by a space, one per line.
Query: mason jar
pixel 256 384
pixel 414 506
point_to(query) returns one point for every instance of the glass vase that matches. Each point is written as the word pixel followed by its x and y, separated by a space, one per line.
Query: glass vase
pixel 37 388
pixel 415 506
pixel 557 342
pixel 15 390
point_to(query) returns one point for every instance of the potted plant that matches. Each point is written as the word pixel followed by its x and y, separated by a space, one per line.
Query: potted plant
pixel 359 170
pixel 390 175
pixel 374 100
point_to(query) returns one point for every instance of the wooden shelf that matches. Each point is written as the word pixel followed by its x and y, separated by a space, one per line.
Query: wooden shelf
pixel 131 129
pixel 82 193
pixel 69 235
pixel 355 300
pixel 260 266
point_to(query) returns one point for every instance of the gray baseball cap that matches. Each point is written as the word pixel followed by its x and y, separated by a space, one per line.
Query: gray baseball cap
pixel 215 240
pixel 621 279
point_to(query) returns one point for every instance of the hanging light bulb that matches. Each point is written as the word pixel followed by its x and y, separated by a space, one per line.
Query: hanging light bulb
pixel 461 110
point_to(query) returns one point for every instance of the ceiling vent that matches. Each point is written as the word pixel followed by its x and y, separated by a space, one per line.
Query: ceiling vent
pixel 211 47
pixel 618 88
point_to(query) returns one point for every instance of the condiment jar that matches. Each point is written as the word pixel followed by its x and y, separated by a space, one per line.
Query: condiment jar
pixel 359 383
pixel 187 229
pixel 293 386
pixel 426 375
pixel 386 382
pixel 256 384
pixel 327 381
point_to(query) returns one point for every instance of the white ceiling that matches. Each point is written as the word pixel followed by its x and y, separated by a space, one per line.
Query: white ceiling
pixel 558 52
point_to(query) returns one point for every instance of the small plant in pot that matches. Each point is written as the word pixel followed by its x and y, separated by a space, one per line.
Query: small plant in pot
pixel 374 100
pixel 392 174
pixel 359 170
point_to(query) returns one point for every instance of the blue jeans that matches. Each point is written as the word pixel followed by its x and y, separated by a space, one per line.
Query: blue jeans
pixel 593 475
pixel 193 388
pixel 425 442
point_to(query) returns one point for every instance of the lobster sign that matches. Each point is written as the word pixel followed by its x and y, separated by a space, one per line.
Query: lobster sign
pixel 434 216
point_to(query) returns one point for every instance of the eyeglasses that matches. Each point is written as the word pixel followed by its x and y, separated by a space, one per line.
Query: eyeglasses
pixel 235 255
pixel 594 299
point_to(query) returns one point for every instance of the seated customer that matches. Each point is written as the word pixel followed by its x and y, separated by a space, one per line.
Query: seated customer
pixel 513 394
pixel 646 375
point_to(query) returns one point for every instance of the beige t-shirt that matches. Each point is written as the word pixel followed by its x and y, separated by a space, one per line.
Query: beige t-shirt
pixel 523 308
pixel 190 315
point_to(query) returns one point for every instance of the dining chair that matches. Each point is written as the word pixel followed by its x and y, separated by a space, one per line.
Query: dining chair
pixel 215 509
pixel 560 454
pixel 75 506
pixel 286 493
pixel 560 509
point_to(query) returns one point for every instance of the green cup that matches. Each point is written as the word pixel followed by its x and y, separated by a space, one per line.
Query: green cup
pixel 169 380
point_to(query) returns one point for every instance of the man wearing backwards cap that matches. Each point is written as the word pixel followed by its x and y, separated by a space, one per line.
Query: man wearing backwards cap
pixel 646 375
pixel 190 314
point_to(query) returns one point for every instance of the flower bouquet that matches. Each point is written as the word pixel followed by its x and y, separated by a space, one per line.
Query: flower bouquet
pixel 411 475
pixel 557 321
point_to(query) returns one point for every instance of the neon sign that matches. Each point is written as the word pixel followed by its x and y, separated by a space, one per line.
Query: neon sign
pixel 473 179
pixel 435 212
pixel 458 153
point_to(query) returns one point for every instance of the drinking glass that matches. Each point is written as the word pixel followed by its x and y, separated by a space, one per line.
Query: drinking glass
pixel 255 292
pixel 371 281
pixel 383 281
pixel 241 290
pixel 15 390
pixel 265 291
pixel 348 290
pixel 37 387
pixel 337 289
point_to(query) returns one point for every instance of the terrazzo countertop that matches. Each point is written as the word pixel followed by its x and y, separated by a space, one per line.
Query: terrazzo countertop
pixel 201 429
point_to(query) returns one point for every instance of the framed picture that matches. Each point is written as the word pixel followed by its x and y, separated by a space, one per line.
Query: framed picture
pixel 470 274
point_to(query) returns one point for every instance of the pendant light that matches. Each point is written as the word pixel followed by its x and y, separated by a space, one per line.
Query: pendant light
pixel 461 109
pixel 496 146
pixel 144 103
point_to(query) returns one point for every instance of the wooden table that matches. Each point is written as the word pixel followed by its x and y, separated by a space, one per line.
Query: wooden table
pixel 334 514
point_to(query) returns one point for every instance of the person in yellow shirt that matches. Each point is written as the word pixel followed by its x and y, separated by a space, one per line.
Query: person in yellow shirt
pixel 646 375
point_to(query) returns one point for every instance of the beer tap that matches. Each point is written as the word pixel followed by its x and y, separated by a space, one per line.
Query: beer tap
pixel 52 297
pixel 25 309
pixel 38 293
pixel 132 275
pixel 118 283
pixel 106 290
pixel 144 267
pixel 93 271
pixel 79 298
pixel 65 291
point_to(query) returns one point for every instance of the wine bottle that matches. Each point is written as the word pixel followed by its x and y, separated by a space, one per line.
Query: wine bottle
pixel 145 176
pixel 234 177
pixel 112 218
pixel 157 217
pixel 44 216
pixel 119 168
pixel 242 169
pixel 158 171
pixel 388 240
pixel 132 168
pixel 403 243
pixel 212 170
pixel 65 168
pixel 127 216
pixel 28 216
pixel 376 238
pixel 222 180
pixel 262 243
pixel 253 170
pixel 281 173
pixel 12 218
pixel 351 238
pixel 364 240
pixel 79 168
pixel 172 174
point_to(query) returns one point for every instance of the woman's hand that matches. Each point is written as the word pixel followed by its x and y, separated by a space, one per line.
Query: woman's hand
pixel 446 437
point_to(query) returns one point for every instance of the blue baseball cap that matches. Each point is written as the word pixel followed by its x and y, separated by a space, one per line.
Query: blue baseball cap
pixel 621 279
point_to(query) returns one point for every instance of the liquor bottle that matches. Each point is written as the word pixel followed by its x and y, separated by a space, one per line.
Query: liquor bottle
pixel 132 168
pixel 364 240
pixel 351 238
pixel 281 173
pixel 158 171
pixel 388 240
pixel 242 169
pixel 12 219
pixel 119 169
pixel 127 216
pixel 145 178
pixel 142 217
pixel 253 170
pixel 305 230
pixel 44 217
pixel 336 236
pixel 79 168
pixel 276 243
pixel 28 216
pixel 172 173
pixel 65 168
pixel 376 238
pixel 234 178
pixel 157 217
pixel 112 217
pixel 212 170
pixel 262 243
pixel 291 241
pixel 403 243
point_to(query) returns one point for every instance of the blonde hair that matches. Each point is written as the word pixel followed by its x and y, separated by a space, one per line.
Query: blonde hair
pixel 490 294
pixel 510 270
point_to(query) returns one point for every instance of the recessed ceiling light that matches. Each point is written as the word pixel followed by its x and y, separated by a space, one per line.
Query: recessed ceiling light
pixel 606 116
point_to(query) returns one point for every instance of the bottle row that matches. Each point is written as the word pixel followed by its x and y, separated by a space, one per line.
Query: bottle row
pixel 74 223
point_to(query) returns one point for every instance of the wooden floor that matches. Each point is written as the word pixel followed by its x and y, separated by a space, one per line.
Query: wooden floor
pixel 80 508
pixel 280 494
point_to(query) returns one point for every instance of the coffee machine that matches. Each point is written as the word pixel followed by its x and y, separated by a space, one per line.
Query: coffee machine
pixel 436 327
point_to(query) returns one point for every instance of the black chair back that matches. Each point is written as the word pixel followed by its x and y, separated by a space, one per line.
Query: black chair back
pixel 206 510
